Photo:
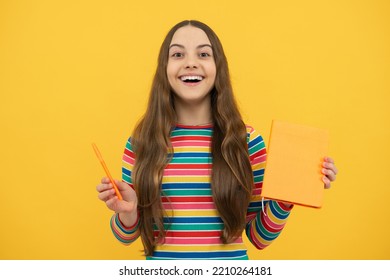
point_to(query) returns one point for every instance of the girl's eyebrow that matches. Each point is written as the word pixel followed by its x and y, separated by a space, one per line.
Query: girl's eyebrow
pixel 198 47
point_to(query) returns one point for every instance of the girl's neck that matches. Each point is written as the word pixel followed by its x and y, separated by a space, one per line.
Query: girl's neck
pixel 191 115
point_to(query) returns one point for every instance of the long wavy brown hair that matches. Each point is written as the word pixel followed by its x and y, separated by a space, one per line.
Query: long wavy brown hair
pixel 231 179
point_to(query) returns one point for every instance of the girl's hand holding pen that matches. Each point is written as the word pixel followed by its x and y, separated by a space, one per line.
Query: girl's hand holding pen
pixel 127 207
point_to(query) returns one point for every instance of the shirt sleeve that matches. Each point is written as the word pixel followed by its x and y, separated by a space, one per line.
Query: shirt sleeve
pixel 265 218
pixel 126 235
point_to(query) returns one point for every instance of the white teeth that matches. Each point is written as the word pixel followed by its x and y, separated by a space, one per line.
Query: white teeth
pixel 191 78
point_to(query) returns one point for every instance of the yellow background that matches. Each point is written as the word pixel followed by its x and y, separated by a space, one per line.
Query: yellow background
pixel 75 72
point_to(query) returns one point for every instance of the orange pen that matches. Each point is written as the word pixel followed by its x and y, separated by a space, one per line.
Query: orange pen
pixel 99 155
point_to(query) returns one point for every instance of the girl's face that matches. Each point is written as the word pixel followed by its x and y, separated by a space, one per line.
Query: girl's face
pixel 191 67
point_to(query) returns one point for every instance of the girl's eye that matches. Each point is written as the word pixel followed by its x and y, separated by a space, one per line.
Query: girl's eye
pixel 177 55
pixel 204 54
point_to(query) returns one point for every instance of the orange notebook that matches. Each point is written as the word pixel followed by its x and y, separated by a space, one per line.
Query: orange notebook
pixel 293 168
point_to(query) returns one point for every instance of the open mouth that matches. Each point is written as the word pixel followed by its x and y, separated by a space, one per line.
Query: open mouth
pixel 191 79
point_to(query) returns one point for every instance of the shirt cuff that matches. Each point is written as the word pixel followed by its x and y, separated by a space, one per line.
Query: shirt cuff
pixel 132 227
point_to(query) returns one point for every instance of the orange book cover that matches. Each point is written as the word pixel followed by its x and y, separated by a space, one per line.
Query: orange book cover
pixel 293 168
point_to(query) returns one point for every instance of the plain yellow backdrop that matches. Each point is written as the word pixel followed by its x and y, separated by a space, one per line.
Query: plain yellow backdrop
pixel 76 72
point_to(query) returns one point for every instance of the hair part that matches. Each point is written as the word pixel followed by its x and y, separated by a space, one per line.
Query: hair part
pixel 231 179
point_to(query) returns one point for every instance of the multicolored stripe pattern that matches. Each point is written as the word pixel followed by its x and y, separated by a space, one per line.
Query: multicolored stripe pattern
pixel 191 220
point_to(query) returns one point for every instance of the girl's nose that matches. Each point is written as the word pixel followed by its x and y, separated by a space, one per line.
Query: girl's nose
pixel 191 62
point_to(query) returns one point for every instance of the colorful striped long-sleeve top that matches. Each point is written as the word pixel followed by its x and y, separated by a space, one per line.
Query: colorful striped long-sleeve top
pixel 193 225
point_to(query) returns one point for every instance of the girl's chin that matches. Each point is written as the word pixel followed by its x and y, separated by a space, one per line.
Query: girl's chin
pixel 191 98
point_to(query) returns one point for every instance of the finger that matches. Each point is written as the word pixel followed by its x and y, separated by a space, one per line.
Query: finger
pixel 326 182
pixel 106 195
pixel 122 186
pixel 329 173
pixel 105 180
pixel 330 166
pixel 331 177
pixel 329 159
pixel 335 170
pixel 112 203
pixel 103 187
pixel 329 163
pixel 119 205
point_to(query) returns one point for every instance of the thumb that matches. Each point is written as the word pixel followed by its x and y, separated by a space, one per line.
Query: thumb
pixel 122 186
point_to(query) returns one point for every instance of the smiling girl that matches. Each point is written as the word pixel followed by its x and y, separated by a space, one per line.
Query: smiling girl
pixel 193 170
